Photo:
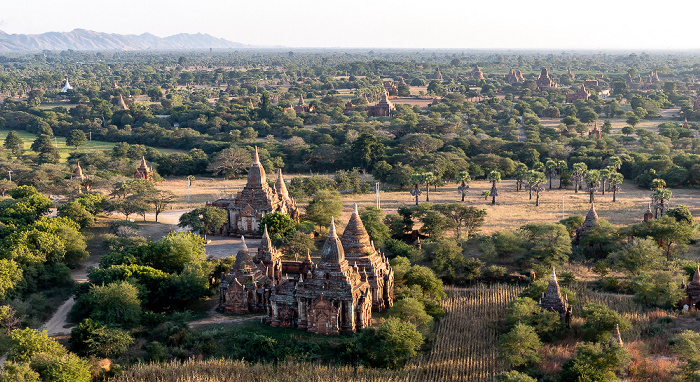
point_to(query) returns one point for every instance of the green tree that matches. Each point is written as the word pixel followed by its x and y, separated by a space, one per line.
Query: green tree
pixel 615 180
pixel 601 321
pixel 203 220
pixel 471 218
pixel 426 279
pixel 278 225
pixel 325 203
pixel 426 178
pixel 230 161
pixel 637 255
pixel 548 243
pixel 463 180
pixel 26 343
pixel 158 199
pixel 592 183
pixel 520 345
pixel 562 168
pixel 367 150
pixel 90 338
pixel 658 288
pixel 77 213
pixel 372 220
pixel 671 235
pixel 18 372
pixel 393 344
pixel 411 310
pixel 76 138
pixel 520 172
pixel 494 177
pixel 686 345
pixel 115 304
pixel 595 363
pixel 10 276
pixel 514 376
pixel 682 214
pixel 14 143
pixel 48 153
pixel 551 168
pixel 578 175
pixel 65 368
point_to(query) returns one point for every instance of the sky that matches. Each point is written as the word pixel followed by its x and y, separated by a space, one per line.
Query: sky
pixel 428 24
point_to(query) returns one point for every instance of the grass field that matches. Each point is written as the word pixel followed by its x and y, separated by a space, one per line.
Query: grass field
pixel 64 150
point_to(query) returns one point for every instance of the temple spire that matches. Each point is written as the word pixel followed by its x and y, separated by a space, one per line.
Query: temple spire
pixel 355 239
pixel 696 276
pixel 332 253
pixel 616 336
pixel 256 174
pixel 280 187
pixel 256 159
pixel 265 242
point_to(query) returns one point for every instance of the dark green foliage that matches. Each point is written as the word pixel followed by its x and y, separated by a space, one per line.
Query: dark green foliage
pixel 519 346
pixel 372 220
pixel 391 345
pixel 601 321
pixel 594 363
pixel 279 225
pixel 91 338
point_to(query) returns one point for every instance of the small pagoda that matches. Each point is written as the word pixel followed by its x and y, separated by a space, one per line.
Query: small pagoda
pixel 589 222
pixel 692 290
pixel 553 301
pixel 144 171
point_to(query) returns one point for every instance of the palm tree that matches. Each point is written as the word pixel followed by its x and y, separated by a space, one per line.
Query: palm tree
pixel 615 180
pixel 536 179
pixel 604 176
pixel 562 166
pixel 660 197
pixel 520 171
pixel 494 177
pixel 578 175
pixel 592 183
pixel 463 179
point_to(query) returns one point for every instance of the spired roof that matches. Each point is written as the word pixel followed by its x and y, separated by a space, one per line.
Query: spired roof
pixel 243 258
pixel 355 238
pixel 591 219
pixel 332 252
pixel 79 173
pixel 256 174
pixel 122 105
pixel 144 165
pixel 696 276
pixel 280 187
pixel 265 242
pixel 552 298
pixel 617 338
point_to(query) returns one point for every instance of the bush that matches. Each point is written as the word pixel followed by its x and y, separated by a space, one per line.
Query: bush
pixel 391 345
pixel 91 338
pixel 114 226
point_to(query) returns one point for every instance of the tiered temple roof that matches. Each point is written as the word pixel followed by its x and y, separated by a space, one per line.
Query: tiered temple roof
pixel 544 81
pixel 79 173
pixel 590 221
pixel 144 171
pixel 552 299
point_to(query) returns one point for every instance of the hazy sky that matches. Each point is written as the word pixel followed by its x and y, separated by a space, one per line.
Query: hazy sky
pixel 461 24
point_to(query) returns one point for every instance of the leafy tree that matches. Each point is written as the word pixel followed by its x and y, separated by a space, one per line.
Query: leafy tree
pixel 159 199
pixel 615 180
pixel 637 255
pixel 18 372
pixel 203 220
pixel 324 204
pixel 90 338
pixel 686 345
pixel 77 213
pixel 367 150
pixel 514 376
pixel 127 207
pixel 682 214
pixel 26 343
pixel 671 235
pixel 434 223
pixel 14 143
pixel 494 177
pixel 595 363
pixel 520 172
pixel 278 225
pixel 372 220
pixel 298 244
pixel 393 344
pixel 548 243
pixel 116 304
pixel 520 345
pixel 659 288
pixel 470 217
pixel 562 168
pixel 10 276
pixel 67 367
pixel 524 310
pixel 231 161
pixel 601 321
pixel 426 279
pixel 411 310
pixel 76 138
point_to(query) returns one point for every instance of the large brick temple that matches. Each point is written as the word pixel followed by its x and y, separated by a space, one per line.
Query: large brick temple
pixel 254 201
pixel 337 295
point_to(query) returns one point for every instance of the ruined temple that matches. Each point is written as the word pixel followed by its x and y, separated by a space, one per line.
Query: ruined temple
pixel 437 75
pixel 255 200
pixel 544 81
pixel 553 301
pixel 383 108
pixel 337 295
pixel 78 173
pixel 581 93
pixel 514 76
pixel 595 133
pixel 648 215
pixel 477 74
pixel 302 107
pixel 692 290
pixel 144 171
pixel 121 105
pixel 571 75
pixel 588 223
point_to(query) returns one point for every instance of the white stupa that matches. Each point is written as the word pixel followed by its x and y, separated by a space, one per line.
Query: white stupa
pixel 66 87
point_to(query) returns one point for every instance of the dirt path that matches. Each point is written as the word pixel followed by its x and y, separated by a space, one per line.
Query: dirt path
pixel 56 325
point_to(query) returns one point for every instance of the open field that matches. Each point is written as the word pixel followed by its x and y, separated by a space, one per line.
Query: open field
pixel 512 210
pixel 64 150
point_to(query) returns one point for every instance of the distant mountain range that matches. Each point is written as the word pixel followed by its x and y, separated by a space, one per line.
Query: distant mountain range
pixel 82 39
